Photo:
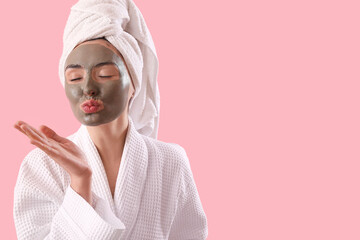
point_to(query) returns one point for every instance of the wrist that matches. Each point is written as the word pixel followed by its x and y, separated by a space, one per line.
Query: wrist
pixel 83 187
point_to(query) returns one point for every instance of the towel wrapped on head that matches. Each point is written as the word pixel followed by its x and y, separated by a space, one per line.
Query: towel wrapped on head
pixel 121 23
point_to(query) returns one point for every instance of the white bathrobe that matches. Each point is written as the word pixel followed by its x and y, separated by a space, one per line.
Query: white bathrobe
pixel 155 196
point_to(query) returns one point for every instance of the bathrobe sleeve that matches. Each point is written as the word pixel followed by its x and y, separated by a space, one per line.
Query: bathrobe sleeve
pixel 42 210
pixel 190 220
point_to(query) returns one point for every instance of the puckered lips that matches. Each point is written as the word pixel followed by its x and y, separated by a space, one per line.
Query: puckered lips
pixel 92 106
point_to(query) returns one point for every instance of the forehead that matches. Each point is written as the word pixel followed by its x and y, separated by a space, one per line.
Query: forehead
pixel 88 55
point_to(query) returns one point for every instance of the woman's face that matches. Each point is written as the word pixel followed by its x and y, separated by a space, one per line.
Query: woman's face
pixel 96 83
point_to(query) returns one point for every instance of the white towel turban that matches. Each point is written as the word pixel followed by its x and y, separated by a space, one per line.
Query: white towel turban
pixel 122 24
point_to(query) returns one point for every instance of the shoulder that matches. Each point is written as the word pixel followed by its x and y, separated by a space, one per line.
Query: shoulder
pixel 169 151
pixel 40 173
pixel 37 159
pixel 171 155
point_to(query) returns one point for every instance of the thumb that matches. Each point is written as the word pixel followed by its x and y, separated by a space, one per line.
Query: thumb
pixel 51 134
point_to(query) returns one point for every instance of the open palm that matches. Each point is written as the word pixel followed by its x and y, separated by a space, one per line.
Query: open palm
pixel 60 149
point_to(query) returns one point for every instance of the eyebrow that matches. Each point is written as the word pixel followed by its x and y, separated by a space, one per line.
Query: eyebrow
pixel 97 65
pixel 73 66
pixel 105 63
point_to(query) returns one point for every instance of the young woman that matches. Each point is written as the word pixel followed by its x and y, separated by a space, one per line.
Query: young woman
pixel 112 179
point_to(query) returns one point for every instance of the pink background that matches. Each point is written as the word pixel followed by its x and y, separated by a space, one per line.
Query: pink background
pixel 263 95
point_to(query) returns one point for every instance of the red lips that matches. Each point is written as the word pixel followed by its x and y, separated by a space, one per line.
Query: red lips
pixel 92 106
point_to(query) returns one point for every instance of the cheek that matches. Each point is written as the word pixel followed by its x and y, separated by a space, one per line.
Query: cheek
pixel 116 90
pixel 73 92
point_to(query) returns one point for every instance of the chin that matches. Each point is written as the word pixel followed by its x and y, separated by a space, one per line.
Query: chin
pixel 91 124
pixel 92 119
pixel 95 119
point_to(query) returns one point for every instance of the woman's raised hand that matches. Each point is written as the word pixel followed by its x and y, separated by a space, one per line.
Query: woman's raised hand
pixel 65 153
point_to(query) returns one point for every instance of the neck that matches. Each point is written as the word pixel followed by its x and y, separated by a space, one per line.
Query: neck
pixel 109 138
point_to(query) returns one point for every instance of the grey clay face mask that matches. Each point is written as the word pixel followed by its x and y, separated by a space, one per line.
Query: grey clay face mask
pixel 96 84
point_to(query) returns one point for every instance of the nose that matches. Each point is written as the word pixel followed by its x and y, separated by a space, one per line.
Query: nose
pixel 90 89
pixel 90 92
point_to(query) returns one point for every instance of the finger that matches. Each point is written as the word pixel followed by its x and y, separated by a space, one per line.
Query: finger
pixel 40 134
pixel 52 134
pixel 31 134
pixel 19 128
pixel 46 148
pixel 56 156
pixel 26 131
pixel 18 124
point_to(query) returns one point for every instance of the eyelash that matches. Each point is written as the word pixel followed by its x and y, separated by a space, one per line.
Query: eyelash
pixel 81 78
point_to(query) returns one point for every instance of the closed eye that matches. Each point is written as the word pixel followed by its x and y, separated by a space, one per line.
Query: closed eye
pixel 105 76
pixel 75 79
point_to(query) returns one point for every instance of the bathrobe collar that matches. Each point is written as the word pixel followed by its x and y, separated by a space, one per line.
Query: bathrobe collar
pixel 131 174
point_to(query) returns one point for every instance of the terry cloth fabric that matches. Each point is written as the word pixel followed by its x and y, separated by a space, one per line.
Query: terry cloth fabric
pixel 155 195
pixel 123 25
